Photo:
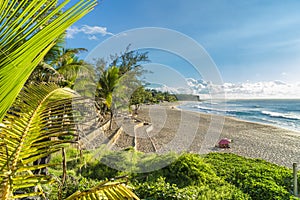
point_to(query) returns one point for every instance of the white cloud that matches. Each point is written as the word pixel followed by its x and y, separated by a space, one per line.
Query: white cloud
pixel 246 90
pixel 71 31
pixel 92 37
pixel 91 31
pixel 95 30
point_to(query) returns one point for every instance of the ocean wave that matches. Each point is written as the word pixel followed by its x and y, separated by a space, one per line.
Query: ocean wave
pixel 209 108
pixel 239 113
pixel 281 115
pixel 246 112
pixel 225 109
pixel 278 113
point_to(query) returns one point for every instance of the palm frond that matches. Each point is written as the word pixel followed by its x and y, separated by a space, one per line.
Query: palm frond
pixel 28 30
pixel 55 51
pixel 74 72
pixel 105 190
pixel 44 73
pixel 108 81
pixel 39 114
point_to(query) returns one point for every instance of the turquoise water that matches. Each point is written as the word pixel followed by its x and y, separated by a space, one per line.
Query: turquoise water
pixel 281 113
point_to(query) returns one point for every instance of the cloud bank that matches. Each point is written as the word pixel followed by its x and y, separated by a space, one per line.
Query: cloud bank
pixel 247 90
pixel 91 31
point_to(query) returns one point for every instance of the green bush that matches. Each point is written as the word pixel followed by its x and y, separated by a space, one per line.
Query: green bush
pixel 258 178
pixel 189 177
pixel 98 170
pixel 190 170
pixel 159 189
pixel 162 190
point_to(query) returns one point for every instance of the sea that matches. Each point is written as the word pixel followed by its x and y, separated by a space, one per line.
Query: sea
pixel 283 113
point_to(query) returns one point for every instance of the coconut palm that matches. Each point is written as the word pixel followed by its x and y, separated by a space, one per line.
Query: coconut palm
pixel 108 81
pixel 28 30
pixel 25 38
pixel 72 68
pixel 40 116
pixel 45 71
pixel 119 80
pixel 26 136
pixel 63 66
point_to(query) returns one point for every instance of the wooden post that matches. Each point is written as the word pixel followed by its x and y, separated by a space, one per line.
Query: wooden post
pixel 64 165
pixel 64 175
pixel 295 179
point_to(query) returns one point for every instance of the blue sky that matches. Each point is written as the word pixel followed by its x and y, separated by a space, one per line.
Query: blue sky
pixel 249 41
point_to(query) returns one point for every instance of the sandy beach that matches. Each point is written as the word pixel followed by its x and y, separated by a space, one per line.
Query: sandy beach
pixel 177 130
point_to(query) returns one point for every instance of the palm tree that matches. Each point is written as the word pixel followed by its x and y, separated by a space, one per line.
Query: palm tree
pixel 118 80
pixel 26 137
pixel 63 66
pixel 39 114
pixel 72 68
pixel 108 81
pixel 28 30
pixel 45 72
pixel 25 39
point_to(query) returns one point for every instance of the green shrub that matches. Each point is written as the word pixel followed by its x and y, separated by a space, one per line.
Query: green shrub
pixel 189 170
pixel 258 178
pixel 189 177
pixel 159 189
pixel 99 171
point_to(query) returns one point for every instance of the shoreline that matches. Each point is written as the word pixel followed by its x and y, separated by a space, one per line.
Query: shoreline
pixel 293 132
pixel 250 139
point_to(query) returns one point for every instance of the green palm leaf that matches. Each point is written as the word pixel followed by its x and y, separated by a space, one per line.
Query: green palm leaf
pixel 27 32
pixel 39 114
pixel 107 83
pixel 105 190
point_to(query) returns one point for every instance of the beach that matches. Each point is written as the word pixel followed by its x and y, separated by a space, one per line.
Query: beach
pixel 178 130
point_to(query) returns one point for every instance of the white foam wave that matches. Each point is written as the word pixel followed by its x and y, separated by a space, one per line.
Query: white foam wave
pixel 215 109
pixel 282 115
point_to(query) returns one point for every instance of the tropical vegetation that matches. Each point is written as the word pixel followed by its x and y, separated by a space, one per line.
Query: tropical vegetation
pixel 38 120
pixel 28 31
pixel 190 176
pixel 149 96
pixel 40 155
pixel 117 80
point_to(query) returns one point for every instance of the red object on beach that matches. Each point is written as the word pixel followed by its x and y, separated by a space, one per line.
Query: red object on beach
pixel 224 143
